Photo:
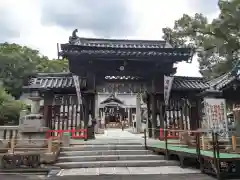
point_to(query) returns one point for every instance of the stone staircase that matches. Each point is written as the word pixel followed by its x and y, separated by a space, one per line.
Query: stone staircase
pixel 102 154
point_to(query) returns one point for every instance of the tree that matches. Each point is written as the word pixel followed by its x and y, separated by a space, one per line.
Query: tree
pixel 9 108
pixel 18 63
pixel 51 66
pixel 217 42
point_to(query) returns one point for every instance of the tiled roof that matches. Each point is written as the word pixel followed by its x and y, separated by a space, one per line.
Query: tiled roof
pixel 123 48
pixel 115 43
pixel 64 80
pixel 53 80
pixel 118 43
pixel 221 81
pixel 184 83
pixel 184 53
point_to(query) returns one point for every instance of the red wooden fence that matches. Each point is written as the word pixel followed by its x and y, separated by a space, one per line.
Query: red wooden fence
pixel 75 134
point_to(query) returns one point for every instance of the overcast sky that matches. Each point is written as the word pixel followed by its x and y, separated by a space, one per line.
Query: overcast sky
pixel 41 24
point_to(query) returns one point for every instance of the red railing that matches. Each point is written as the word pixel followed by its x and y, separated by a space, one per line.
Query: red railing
pixel 76 134
pixel 170 135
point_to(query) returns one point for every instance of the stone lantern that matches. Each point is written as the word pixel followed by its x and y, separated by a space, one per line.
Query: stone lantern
pixel 32 127
pixel 35 97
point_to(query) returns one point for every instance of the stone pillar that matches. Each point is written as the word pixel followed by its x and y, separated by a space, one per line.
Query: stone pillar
pixel 130 117
pixel 138 113
pixel 23 113
pixel 35 106
pixel 103 122
pixel 128 109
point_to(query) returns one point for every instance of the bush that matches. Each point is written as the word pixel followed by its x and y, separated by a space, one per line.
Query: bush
pixel 9 108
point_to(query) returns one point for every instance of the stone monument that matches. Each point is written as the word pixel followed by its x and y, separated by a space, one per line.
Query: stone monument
pixel 32 130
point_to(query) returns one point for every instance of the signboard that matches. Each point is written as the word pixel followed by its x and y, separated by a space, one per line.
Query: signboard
pixel 168 80
pixel 216 115
pixel 77 86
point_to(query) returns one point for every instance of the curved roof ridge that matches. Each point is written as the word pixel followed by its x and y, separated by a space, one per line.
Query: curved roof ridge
pixel 121 40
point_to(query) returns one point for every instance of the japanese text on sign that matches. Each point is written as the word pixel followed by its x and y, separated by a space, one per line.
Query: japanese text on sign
pixel 215 114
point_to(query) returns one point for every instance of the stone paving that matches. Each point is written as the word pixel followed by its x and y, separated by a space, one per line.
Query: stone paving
pixel 138 177
pixel 22 177
pixel 112 136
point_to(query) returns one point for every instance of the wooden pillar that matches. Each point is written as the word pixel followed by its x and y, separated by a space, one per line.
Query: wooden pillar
pixel 161 112
pixel 153 108
pixel 92 104
pixel 154 115
pixel 148 117
pixel 194 115
pixel 138 113
pixel 85 110
pixel 47 108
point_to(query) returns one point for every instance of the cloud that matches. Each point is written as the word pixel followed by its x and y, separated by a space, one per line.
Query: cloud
pixel 204 6
pixel 8 24
pixel 104 18
pixel 41 24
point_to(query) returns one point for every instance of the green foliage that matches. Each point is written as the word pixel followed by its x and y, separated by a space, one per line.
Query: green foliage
pixel 9 108
pixel 17 63
pixel 217 42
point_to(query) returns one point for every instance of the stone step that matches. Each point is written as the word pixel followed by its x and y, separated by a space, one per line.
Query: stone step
pixel 141 171
pixel 120 163
pixel 105 152
pixel 102 147
pixel 108 142
pixel 109 158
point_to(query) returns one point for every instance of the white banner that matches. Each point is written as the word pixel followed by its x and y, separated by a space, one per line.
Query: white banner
pixel 168 80
pixel 216 115
pixel 77 86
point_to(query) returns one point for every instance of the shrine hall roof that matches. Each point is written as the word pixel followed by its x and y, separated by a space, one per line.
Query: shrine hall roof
pixel 112 99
